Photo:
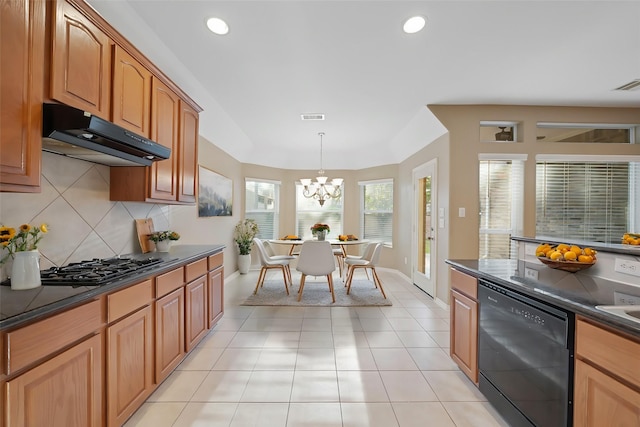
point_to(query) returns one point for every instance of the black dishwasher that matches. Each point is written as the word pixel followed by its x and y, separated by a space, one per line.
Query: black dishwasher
pixel 525 357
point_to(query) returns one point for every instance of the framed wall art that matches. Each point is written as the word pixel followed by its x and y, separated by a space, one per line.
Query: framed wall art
pixel 215 194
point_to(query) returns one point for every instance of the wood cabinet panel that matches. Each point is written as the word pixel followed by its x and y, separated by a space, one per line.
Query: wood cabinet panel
pixel 31 343
pixel 128 300
pixel 80 61
pixel 129 365
pixel 464 334
pixel 195 269
pixel 65 391
pixel 216 260
pixel 164 130
pixel 188 155
pixel 464 283
pixel 197 323
pixel 216 296
pixel 131 101
pixel 170 281
pixel 169 333
pixel 22 28
pixel 600 400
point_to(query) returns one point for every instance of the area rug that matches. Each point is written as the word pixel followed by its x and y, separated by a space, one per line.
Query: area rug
pixel 316 294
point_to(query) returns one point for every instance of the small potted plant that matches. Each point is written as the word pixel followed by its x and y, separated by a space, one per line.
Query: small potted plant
pixel 243 235
pixel 22 247
pixel 320 230
pixel 163 239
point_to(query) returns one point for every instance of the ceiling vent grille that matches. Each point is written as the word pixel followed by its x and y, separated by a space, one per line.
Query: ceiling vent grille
pixel 634 84
pixel 313 116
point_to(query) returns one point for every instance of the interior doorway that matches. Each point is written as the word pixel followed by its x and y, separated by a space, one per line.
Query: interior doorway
pixel 424 236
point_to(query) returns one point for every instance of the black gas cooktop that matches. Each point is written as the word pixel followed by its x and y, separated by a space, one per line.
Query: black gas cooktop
pixel 95 272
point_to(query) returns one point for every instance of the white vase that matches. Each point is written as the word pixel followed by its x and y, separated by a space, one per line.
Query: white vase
pixel 244 262
pixel 163 246
pixel 25 272
pixel 321 235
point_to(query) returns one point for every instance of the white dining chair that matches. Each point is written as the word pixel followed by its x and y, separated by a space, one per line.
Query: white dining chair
pixel 316 259
pixel 367 253
pixel 366 264
pixel 269 263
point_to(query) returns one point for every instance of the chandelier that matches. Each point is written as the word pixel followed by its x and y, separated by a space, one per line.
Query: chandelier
pixel 319 189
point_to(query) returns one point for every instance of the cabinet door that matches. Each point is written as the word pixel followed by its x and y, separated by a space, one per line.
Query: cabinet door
pixel 65 391
pixel 188 153
pixel 80 62
pixel 216 295
pixel 169 333
pixel 196 312
pixel 164 130
pixel 131 93
pixel 22 24
pixel 129 365
pixel 600 400
pixel 464 334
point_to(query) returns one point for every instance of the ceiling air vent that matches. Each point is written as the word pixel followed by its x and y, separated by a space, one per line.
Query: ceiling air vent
pixel 313 116
pixel 630 86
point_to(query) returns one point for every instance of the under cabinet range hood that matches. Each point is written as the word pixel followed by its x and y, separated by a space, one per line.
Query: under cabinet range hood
pixel 81 135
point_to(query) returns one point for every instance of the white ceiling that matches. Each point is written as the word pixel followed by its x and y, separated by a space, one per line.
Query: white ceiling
pixel 351 61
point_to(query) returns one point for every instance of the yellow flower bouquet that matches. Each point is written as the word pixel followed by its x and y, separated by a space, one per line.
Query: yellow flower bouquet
pixel 26 238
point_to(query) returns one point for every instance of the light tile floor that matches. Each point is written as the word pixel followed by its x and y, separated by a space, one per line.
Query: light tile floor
pixel 321 366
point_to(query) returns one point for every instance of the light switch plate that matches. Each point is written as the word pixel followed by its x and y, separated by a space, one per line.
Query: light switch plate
pixel 462 212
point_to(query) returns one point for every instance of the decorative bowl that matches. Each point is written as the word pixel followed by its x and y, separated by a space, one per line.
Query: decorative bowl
pixel 570 266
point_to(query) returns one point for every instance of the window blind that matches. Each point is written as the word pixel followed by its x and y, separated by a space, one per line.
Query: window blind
pixel 262 205
pixel 376 221
pixel 501 186
pixel 309 212
pixel 585 201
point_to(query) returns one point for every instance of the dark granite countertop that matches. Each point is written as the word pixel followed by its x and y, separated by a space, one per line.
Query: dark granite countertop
pixel 616 248
pixel 575 292
pixel 17 307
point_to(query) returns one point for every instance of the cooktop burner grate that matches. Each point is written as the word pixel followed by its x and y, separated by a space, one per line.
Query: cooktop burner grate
pixel 95 271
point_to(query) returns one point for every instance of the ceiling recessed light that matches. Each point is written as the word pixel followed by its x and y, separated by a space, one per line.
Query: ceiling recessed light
pixel 217 26
pixel 414 24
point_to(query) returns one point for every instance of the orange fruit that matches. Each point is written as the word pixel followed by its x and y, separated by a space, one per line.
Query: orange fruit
pixel 585 258
pixel 589 251
pixel 556 255
pixel 577 249
pixel 570 256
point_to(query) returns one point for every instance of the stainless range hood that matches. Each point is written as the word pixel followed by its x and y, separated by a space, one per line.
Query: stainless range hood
pixel 81 135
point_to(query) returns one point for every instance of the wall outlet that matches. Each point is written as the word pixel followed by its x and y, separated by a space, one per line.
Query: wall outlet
pixel 405 261
pixel 626 266
pixel 462 212
pixel 531 273
pixel 620 298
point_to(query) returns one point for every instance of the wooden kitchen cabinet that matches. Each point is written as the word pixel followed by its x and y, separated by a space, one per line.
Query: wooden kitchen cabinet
pixel 607 377
pixel 195 303
pixel 129 351
pixel 169 333
pixel 65 391
pixel 464 323
pixel 188 155
pixel 22 41
pixel 131 93
pixel 80 61
pixel 216 288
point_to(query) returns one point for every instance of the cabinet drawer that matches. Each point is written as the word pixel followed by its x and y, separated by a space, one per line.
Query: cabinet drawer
pixel 195 269
pixel 36 341
pixel 612 352
pixel 170 281
pixel 215 261
pixel 128 300
pixel 464 283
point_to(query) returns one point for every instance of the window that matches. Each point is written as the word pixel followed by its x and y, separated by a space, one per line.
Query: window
pixel 309 211
pixel 593 201
pixel 499 131
pixel 501 188
pixel 588 133
pixel 376 207
pixel 262 199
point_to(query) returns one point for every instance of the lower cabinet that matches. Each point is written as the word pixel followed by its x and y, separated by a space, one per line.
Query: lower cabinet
pixel 197 324
pixel 130 365
pixel 464 323
pixel 607 377
pixel 65 391
pixel 216 296
pixel 169 333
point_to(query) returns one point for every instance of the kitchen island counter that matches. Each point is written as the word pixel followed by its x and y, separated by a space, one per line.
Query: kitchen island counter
pixel 21 307
pixel 577 292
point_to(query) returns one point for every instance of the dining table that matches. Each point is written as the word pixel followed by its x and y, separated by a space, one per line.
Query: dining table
pixel 334 242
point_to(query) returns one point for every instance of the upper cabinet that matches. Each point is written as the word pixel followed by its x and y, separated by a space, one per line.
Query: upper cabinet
pixel 188 156
pixel 80 61
pixel 22 40
pixel 131 93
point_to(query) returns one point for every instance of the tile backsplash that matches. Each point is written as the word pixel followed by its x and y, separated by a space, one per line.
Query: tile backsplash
pixel 83 223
